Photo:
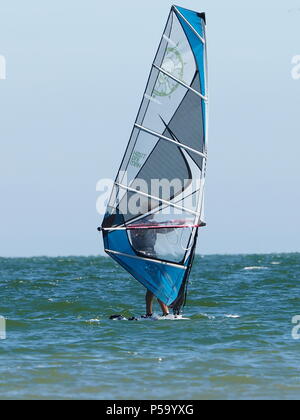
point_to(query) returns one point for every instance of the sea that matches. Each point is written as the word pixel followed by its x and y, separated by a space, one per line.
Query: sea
pixel 239 337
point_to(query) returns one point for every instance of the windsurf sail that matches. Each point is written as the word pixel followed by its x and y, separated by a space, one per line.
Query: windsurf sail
pixel 157 203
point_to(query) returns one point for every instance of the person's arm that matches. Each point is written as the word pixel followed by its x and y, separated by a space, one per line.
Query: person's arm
pixel 172 229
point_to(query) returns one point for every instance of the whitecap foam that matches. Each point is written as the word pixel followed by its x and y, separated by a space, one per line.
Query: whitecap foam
pixel 255 268
pixel 211 317
pixel 170 317
pixel 93 321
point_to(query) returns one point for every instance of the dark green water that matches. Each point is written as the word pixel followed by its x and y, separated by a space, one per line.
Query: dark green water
pixel 236 344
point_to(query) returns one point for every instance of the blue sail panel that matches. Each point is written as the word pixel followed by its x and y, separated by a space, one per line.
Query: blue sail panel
pixel 193 18
pixel 118 241
pixel 199 53
pixel 163 281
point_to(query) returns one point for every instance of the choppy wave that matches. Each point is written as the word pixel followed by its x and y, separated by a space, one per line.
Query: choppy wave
pixel 234 340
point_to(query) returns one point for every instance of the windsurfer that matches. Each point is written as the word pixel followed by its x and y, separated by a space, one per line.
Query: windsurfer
pixel 149 305
pixel 144 241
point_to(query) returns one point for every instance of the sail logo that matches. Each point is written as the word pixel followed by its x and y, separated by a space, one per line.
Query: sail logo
pixel 2 67
pixel 174 65
pixel 296 329
pixel 296 67
pixel 2 328
pixel 137 159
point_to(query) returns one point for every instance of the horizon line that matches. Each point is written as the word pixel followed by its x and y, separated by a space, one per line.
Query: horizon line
pixel 197 254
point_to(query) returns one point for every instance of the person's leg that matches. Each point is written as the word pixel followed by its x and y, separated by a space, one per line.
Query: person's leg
pixel 149 303
pixel 164 308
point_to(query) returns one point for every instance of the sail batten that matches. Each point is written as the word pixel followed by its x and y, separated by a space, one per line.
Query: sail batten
pixel 152 197
pixel 156 206
pixel 177 143
pixel 177 9
pixel 145 259
pixel 166 73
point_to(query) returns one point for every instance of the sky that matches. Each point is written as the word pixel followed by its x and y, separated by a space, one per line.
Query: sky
pixel 75 76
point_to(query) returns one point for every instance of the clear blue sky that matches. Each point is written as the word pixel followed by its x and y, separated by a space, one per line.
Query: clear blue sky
pixel 76 72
